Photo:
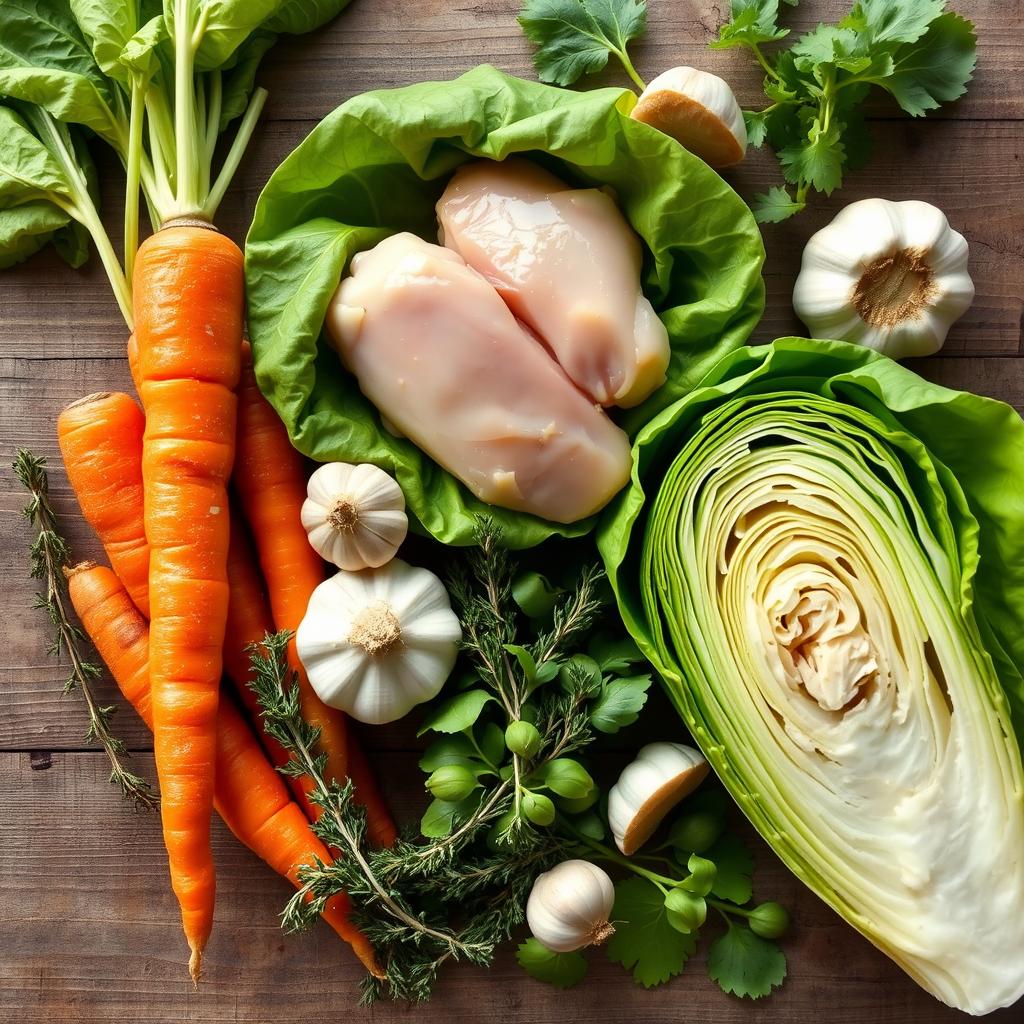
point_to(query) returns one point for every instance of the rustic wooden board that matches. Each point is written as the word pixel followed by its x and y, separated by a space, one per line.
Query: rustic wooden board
pixel 88 928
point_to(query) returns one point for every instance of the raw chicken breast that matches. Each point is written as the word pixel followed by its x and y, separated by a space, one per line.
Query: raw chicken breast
pixel 568 265
pixel 442 358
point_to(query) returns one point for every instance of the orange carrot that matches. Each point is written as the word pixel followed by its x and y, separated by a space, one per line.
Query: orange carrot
pixel 249 794
pixel 100 437
pixel 270 478
pixel 187 300
pixel 248 623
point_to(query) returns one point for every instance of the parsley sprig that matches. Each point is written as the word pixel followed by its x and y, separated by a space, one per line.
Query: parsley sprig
pixel 576 37
pixel 915 50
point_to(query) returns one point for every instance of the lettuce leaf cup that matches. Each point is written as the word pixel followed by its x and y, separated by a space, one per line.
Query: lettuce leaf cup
pixel 823 556
pixel 378 164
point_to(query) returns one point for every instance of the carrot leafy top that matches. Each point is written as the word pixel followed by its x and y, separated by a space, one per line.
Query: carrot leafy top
pixel 157 82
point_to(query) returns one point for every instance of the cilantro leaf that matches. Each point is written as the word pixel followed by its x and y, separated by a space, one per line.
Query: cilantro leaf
pixel 819 160
pixel 744 964
pixel 644 940
pixel 934 70
pixel 735 869
pixel 563 970
pixel 576 37
pixel 620 703
pixel 757 129
pixel 893 21
pixel 752 22
pixel 775 206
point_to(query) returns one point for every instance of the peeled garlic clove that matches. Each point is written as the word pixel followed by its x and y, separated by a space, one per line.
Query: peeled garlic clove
pixel 648 788
pixel 354 515
pixel 569 906
pixel 699 111
pixel 889 276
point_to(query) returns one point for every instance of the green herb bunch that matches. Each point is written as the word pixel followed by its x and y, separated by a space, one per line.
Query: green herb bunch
pixel 511 798
pixel 920 54
pixel 915 50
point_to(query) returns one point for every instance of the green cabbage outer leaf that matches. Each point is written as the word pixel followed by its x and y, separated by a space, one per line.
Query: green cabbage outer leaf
pixel 379 163
pixel 823 555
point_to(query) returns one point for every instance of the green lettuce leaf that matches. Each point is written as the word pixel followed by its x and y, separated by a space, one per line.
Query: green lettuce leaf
pixel 823 556
pixel 378 164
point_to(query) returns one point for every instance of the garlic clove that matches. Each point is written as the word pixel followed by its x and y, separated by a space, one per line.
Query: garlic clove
pixel 569 906
pixel 699 111
pixel 649 787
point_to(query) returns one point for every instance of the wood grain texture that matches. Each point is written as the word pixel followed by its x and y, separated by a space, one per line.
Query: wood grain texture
pixel 88 928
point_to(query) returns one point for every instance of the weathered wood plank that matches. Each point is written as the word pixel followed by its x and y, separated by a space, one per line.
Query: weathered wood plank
pixel 91 934
pixel 49 311
pixel 377 44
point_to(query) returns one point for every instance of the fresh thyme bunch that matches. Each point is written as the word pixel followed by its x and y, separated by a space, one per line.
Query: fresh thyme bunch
pixel 49 556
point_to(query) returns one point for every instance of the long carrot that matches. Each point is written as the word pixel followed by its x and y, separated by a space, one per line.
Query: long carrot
pixel 270 479
pixel 187 301
pixel 249 794
pixel 249 621
pixel 100 438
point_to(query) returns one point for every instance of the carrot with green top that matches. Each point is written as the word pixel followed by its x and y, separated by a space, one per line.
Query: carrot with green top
pixel 270 479
pixel 249 795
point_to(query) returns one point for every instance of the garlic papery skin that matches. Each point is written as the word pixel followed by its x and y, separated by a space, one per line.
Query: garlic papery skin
pixel 889 276
pixel 648 788
pixel 569 906
pixel 699 111
pixel 354 515
pixel 377 643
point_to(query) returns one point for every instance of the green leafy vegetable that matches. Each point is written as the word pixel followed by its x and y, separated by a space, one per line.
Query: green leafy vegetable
pixel 645 941
pixel 744 964
pixel 576 37
pixel 920 55
pixel 563 970
pixel 817 482
pixel 702 270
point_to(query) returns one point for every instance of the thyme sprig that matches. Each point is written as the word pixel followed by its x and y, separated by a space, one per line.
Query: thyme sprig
pixel 49 555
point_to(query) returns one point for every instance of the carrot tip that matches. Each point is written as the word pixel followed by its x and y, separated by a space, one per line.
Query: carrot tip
pixel 195 966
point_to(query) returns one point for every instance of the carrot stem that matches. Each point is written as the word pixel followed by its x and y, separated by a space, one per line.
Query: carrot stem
pixel 186 186
pixel 235 154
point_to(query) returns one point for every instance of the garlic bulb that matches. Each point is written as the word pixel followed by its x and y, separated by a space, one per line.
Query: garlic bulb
pixel 890 276
pixel 379 642
pixel 569 906
pixel 648 788
pixel 354 515
pixel 699 111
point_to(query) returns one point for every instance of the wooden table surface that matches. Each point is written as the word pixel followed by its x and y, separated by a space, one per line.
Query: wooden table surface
pixel 89 930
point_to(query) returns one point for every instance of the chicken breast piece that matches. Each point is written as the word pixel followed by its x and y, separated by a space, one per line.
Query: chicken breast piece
pixel 444 360
pixel 568 265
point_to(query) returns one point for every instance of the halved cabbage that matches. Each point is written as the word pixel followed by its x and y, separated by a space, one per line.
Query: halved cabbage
pixel 800 562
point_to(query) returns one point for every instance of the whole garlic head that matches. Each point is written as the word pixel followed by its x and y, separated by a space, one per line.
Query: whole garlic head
pixel 569 906
pixel 354 516
pixel 649 787
pixel 376 643
pixel 890 276
pixel 699 111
